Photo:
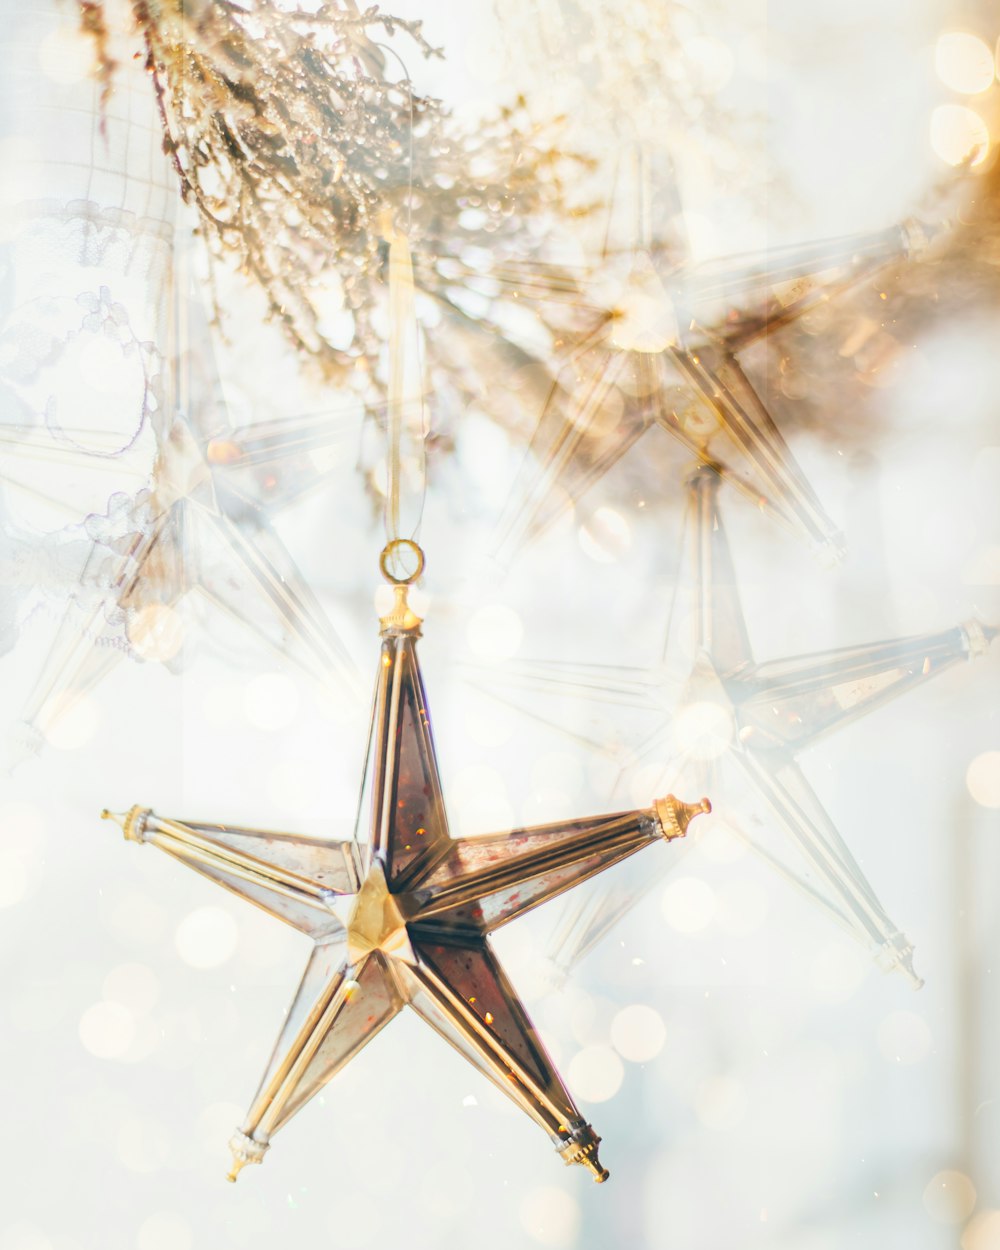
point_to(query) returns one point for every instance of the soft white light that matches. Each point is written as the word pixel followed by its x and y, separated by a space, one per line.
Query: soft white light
pixel 13 879
pixel 107 1029
pixel 133 986
pixel 65 55
pixel 104 366
pixel 164 1231
pixel 689 904
pixel 903 1037
pixel 550 1216
pixel 742 907
pixel 606 536
pixel 983 779
pixel 638 1033
pixel 156 631
pixel 291 785
pixel 720 1102
pixel 271 701
pixel 24 1236
pixel 494 632
pixel 983 1233
pixel 963 62
pixel 837 971
pixel 712 60
pixel 71 721
pixel 206 937
pixel 479 801
pixel 595 1073
pixel 703 729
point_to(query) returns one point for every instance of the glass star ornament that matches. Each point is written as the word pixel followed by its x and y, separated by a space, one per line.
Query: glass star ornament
pixel 656 343
pixel 402 915
pixel 725 721
pixel 202 526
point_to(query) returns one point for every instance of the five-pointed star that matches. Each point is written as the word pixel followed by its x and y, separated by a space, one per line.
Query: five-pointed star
pixel 202 526
pixel 736 726
pixel 659 347
pixel 405 918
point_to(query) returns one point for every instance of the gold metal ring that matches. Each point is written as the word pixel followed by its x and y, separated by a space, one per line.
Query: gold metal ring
pixel 390 549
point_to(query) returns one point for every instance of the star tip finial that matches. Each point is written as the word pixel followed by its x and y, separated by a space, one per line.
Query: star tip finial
pixel 132 823
pixel 401 618
pixel 245 1149
pixel 675 815
pixel 581 1147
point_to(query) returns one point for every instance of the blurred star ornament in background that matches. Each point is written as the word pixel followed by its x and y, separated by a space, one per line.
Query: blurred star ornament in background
pixel 659 347
pixel 735 726
pixel 402 914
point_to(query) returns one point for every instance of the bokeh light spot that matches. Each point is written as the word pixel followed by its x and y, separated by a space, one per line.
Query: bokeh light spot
pixel 703 729
pixel 595 1073
pixel 550 1216
pixel 983 1233
pixel 638 1033
pixel 949 1197
pixel 107 1029
pixel 983 779
pixel 689 904
pixel 606 536
pixel 963 62
pixel 959 133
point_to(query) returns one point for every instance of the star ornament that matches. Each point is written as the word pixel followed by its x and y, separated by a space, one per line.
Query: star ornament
pixel 737 726
pixel 404 918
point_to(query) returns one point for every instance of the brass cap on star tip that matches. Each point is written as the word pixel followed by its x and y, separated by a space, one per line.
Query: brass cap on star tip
pixel 132 823
pixel 401 618
pixel 246 1149
pixel 675 816
pixel 581 1147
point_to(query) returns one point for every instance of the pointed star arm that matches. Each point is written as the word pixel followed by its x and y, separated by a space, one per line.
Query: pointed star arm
pixel 708 581
pixel 794 702
pixel 585 427
pixel 408 822
pixel 292 878
pixel 773 479
pixel 277 462
pixel 483 883
pixel 832 876
pixel 336 1011
pixel 297 623
pixel 460 989
pixel 765 293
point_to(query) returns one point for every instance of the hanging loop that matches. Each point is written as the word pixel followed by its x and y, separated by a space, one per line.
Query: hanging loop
pixel 393 550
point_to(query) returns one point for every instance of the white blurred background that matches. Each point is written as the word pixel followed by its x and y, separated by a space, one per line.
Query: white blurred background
pixel 756 1080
